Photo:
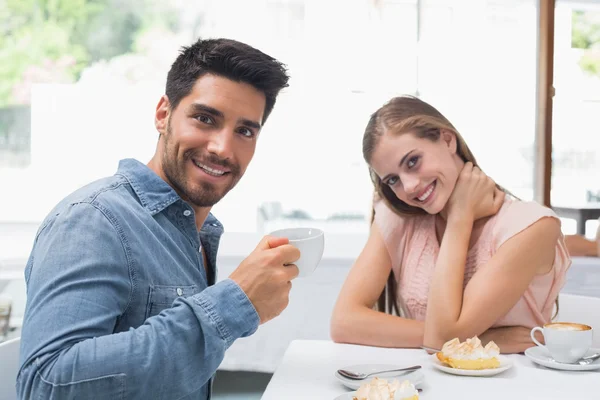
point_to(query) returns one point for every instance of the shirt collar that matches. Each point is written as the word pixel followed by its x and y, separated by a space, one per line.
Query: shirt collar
pixel 154 193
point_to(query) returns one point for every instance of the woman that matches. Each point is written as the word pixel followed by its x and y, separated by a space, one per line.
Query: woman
pixel 466 259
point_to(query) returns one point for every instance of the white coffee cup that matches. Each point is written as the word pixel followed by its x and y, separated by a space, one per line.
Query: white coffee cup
pixel 567 342
pixel 310 242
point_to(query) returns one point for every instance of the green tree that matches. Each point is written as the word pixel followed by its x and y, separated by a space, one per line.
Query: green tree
pixel 585 35
pixel 54 40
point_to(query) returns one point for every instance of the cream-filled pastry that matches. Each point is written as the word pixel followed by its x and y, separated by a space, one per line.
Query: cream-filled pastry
pixel 380 389
pixel 470 354
pixel 406 391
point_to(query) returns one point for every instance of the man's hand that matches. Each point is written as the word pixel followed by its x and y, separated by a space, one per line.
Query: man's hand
pixel 266 274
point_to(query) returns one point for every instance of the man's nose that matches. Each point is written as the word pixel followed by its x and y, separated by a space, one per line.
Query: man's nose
pixel 221 143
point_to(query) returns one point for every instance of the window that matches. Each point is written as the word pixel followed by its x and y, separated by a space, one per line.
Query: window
pixel 91 91
pixel 576 110
pixel 477 65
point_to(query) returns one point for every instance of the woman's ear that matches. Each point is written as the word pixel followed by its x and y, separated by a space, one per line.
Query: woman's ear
pixel 449 138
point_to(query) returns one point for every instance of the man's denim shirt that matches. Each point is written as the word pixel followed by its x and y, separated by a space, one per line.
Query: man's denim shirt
pixel 119 305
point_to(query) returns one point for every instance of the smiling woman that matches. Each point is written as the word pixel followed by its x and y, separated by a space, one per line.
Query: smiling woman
pixel 466 258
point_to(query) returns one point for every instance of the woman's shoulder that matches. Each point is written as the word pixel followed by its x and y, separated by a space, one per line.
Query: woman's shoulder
pixel 514 209
pixel 517 215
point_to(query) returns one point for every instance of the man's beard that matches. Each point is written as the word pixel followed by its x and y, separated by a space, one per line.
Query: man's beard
pixel 199 194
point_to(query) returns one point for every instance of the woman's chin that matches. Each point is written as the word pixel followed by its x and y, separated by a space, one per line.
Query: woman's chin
pixel 433 208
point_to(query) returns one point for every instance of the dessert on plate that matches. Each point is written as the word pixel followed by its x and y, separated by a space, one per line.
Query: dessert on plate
pixel 380 389
pixel 469 354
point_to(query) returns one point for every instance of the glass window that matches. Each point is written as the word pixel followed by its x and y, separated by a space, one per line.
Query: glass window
pixel 576 109
pixel 477 65
pixel 87 76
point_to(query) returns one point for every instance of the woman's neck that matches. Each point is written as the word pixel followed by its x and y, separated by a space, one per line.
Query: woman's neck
pixel 440 228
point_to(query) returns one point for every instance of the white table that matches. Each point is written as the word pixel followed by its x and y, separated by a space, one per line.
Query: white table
pixel 307 369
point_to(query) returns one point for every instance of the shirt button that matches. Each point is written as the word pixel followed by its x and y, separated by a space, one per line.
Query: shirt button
pixel 187 213
pixel 179 291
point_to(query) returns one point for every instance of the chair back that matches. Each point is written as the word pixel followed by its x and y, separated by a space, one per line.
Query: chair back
pixel 9 367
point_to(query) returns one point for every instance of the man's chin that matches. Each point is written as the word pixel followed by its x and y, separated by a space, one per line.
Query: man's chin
pixel 205 201
pixel 202 197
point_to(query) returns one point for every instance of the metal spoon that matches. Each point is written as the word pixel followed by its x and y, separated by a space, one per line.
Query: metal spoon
pixel 430 349
pixel 588 359
pixel 358 375
pixel 582 361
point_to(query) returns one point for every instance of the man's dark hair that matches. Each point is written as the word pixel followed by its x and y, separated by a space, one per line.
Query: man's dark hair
pixel 230 59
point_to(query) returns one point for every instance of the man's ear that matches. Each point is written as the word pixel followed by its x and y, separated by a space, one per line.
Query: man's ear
pixel 161 116
pixel 449 138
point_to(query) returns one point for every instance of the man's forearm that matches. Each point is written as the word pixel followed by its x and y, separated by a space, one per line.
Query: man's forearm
pixel 187 341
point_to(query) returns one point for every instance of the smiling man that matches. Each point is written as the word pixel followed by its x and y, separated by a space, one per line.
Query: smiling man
pixel 122 301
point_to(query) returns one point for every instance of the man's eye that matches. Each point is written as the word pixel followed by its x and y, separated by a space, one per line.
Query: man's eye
pixel 246 132
pixel 205 119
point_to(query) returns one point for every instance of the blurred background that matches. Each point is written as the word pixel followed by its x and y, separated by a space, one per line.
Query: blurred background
pixel 79 81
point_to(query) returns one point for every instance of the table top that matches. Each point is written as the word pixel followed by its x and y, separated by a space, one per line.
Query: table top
pixel 308 367
pixel 577 207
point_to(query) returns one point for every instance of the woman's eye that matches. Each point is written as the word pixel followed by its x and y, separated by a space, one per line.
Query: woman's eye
pixel 392 181
pixel 412 162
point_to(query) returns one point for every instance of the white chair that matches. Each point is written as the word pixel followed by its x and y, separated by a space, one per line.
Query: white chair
pixel 581 309
pixel 9 366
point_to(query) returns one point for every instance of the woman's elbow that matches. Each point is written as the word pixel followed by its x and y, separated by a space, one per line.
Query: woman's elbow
pixel 337 328
pixel 341 325
pixel 435 338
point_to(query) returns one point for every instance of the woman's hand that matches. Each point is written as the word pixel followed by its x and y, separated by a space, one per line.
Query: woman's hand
pixel 510 339
pixel 475 195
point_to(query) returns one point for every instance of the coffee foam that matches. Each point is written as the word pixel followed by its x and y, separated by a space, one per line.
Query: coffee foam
pixel 567 326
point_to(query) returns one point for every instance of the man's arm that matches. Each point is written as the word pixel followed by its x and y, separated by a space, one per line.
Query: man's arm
pixel 79 284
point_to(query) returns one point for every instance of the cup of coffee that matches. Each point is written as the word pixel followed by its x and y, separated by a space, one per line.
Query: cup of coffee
pixel 566 342
pixel 310 242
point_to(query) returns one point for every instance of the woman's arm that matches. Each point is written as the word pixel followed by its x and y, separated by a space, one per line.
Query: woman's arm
pixel 354 320
pixel 497 286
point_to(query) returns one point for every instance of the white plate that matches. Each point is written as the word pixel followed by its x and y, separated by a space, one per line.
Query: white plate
pixel 416 377
pixel 345 396
pixel 540 355
pixel 505 363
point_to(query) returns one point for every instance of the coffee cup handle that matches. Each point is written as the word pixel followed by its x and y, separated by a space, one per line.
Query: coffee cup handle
pixel 537 328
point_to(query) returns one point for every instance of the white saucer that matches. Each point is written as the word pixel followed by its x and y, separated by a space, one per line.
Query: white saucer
pixel 505 363
pixel 540 355
pixel 416 377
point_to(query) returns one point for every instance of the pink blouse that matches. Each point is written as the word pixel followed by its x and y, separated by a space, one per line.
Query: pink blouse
pixel 413 247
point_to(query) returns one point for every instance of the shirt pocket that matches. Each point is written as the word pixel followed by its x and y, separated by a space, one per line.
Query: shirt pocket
pixel 161 297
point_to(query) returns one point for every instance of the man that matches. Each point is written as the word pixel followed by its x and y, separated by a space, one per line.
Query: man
pixel 580 246
pixel 122 300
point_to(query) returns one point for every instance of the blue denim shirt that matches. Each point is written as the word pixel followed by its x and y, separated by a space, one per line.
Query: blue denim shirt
pixel 119 305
